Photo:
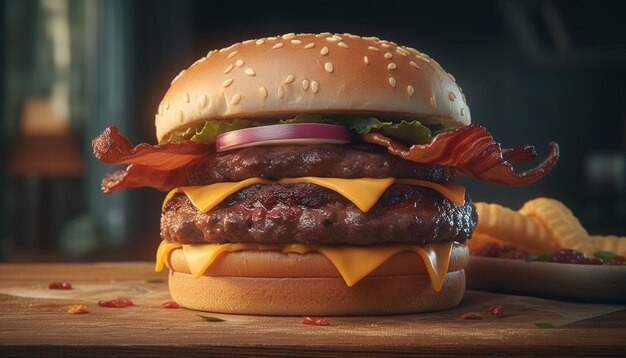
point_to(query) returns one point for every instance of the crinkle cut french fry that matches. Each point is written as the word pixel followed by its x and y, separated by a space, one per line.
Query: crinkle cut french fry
pixel 526 233
pixel 610 243
pixel 478 241
pixel 564 227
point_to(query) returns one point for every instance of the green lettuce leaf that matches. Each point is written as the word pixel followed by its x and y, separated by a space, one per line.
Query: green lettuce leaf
pixel 406 131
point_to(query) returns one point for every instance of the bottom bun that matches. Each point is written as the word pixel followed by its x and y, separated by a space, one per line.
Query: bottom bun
pixel 316 296
pixel 254 282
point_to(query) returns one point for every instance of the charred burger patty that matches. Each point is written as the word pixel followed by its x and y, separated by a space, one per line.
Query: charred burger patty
pixel 309 214
pixel 321 160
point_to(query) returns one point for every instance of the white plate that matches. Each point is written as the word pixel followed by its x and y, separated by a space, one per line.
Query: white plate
pixel 589 283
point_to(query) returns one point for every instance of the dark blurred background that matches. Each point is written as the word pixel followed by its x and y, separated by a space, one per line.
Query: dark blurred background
pixel 533 71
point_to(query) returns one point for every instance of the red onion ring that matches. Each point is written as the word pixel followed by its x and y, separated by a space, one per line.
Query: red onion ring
pixel 297 133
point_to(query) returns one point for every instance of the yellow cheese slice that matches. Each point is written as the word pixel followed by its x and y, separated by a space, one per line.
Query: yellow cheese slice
pixel 363 192
pixel 352 263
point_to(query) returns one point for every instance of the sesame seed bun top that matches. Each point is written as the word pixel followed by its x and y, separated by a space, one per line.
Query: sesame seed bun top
pixel 278 77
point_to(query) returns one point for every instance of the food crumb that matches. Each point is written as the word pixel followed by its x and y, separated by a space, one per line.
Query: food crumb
pixel 471 316
pixel 77 309
pixel 315 321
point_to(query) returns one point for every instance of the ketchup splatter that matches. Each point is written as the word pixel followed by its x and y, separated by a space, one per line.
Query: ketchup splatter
pixel 170 304
pixel 60 286
pixel 496 311
pixel 119 302
pixel 315 321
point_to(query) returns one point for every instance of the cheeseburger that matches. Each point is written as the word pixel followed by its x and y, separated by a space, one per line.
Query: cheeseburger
pixel 313 174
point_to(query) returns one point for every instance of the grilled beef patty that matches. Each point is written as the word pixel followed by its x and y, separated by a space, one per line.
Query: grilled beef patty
pixel 321 160
pixel 310 214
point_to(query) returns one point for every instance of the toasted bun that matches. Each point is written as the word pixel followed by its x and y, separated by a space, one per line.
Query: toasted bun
pixel 293 74
pixel 274 283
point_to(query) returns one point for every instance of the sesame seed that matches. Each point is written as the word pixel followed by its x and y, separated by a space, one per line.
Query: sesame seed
pixel 324 51
pixel 305 84
pixel 232 54
pixel 201 59
pixel 393 43
pixel 239 63
pixel 263 92
pixel 236 98
pixel 210 53
pixel 332 39
pixel 278 45
pixel 354 36
pixel 367 60
pixel 203 100
pixel 272 38
pixel 342 44
pixel 260 42
pixel 412 63
pixel 412 50
pixel 177 77
pixel 315 86
pixel 167 105
pixel 433 103
pixel 423 58
pixel 246 42
pixel 289 36
pixel 392 82
pixel 463 112
pixel 226 49
pixel 451 96
pixel 227 83
pixel 186 97
pixel 281 91
pixel 160 109
pixel 328 66
pixel 371 38
pixel 388 55
pixel 402 51
pixel 463 97
pixel 374 48
pixel 385 45
pixel 451 77
pixel 296 42
pixel 289 79
pixel 250 72
pixel 410 90
pixel 228 69
pixel 309 45
pixel 392 66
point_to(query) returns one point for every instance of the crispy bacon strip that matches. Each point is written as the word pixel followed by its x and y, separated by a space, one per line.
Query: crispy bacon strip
pixel 137 176
pixel 113 148
pixel 473 152
pixel 158 166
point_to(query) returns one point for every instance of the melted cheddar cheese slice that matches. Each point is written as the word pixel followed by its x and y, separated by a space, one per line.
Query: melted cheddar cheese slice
pixel 352 263
pixel 363 192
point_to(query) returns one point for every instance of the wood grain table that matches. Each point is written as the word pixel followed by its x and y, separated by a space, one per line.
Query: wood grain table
pixel 34 322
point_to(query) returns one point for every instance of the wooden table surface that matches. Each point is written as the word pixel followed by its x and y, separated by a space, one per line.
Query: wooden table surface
pixel 34 322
